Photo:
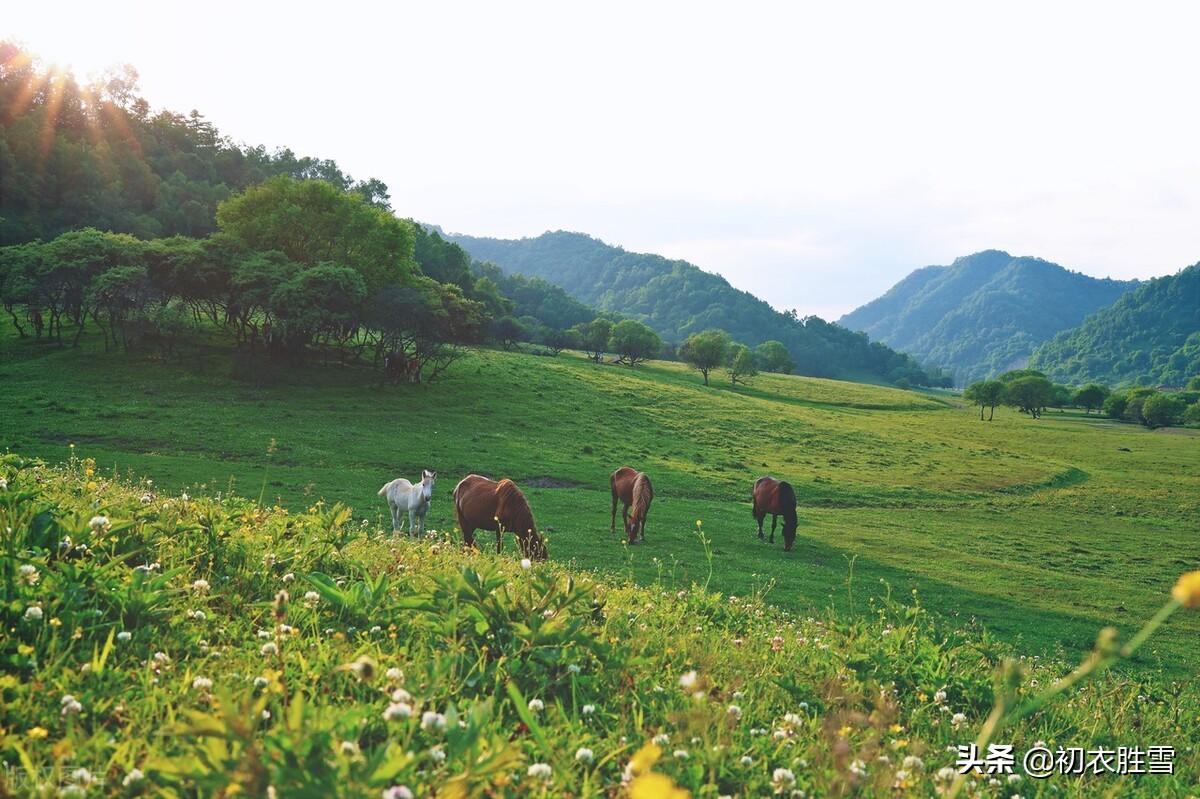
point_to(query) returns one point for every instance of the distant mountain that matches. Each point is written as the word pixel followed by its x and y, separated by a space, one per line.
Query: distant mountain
pixel 677 298
pixel 1150 336
pixel 983 314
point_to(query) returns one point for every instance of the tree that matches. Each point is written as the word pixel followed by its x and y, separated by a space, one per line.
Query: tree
pixel 1194 384
pixel 507 331
pixel 1029 394
pixel 1192 414
pixel 1091 396
pixel 985 394
pixel 706 351
pixel 594 336
pixel 323 301
pixel 1115 404
pixel 633 342
pixel 1162 410
pixel 312 222
pixel 1060 397
pixel 1135 398
pixel 773 356
pixel 742 364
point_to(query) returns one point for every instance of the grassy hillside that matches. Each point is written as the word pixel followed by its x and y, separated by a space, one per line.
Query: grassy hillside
pixel 983 314
pixel 1042 530
pixel 1150 336
pixel 175 645
pixel 677 298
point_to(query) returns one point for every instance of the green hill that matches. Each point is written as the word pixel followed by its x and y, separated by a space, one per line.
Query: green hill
pixel 677 298
pixel 984 314
pixel 1150 336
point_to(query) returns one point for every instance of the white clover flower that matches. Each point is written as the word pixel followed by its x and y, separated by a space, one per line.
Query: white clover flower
pixel 1014 778
pixel 680 754
pixel 133 777
pixel 782 779
pixel 687 680
pixel 584 755
pixel 28 574
pixel 914 763
pixel 198 615
pixel 397 710
pixel 394 674
pixel 747 760
pixel 82 776
pixel 3 483
pixel 161 657
pixel 588 710
pixel 432 721
pixel 184 497
pixel 350 748
pixel 662 739
pixel 200 586
pixel 202 684
pixel 946 773
pixel 526 563
pixel 289 577
pixel 733 711
pixel 738 696
pixel 540 771
pixel 438 754
pixel 574 668
pixel 939 696
pixel 71 706
pixel 312 598
pixel 958 720
pixel 269 648
pixel 536 706
pixel 858 768
pixel 146 500
pixel 397 792
pixel 99 523
pixel 261 682
pixel 124 636
pixel 33 613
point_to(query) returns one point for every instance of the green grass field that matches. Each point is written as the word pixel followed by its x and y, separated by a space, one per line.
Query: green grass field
pixel 1041 530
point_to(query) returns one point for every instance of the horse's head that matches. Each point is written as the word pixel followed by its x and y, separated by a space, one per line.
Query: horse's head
pixel 428 478
pixel 631 528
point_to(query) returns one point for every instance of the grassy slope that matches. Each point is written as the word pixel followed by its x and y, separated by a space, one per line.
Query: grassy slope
pixel 1043 530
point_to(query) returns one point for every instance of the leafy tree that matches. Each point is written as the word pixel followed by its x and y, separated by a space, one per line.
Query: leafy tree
pixel 1115 404
pixel 1162 410
pixel 507 331
pixel 1060 397
pixel 323 301
pixel 633 342
pixel 1029 393
pixel 312 222
pixel 742 365
pixel 706 351
pixel 1135 398
pixel 594 337
pixel 116 295
pixel 1194 384
pixel 1192 414
pixel 1091 396
pixel 985 394
pixel 773 356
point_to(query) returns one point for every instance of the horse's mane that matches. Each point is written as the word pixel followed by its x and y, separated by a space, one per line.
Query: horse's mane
pixel 643 492
pixel 787 498
pixel 511 503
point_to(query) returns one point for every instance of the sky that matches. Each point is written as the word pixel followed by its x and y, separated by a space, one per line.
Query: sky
pixel 812 153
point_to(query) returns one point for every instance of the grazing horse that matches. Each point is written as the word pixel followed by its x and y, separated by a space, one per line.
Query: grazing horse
pixel 643 494
pixel 397 367
pixel 483 504
pixel 776 498
pixel 621 482
pixel 404 496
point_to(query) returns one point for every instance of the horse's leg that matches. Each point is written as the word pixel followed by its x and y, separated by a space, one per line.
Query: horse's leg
pixel 643 528
pixel 395 517
pixel 759 519
pixel 625 517
pixel 774 519
pixel 412 515
pixel 499 539
pixel 612 524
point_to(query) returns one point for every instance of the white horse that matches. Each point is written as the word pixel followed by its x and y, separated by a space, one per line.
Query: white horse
pixel 404 496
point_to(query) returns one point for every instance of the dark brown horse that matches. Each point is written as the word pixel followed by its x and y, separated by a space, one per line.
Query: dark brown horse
pixel 621 482
pixel 778 499
pixel 483 504
pixel 643 495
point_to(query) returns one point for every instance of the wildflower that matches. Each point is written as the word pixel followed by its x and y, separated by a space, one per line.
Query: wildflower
pixel 536 706
pixel 438 754
pixel 37 733
pixel 858 769
pixel 946 774
pixel 161 657
pixel 33 613
pixel 269 648
pixel 99 523
pixel 198 615
pixel 777 643
pixel 146 500
pixel 261 682
pixel 28 574
pixel 363 668
pixel 662 739
pixel 914 763
pixel 71 706
pixel 397 792
pixel 311 599
pixel 200 586
pixel 397 710
pixel 350 748
pixel 574 668
pixel 584 755
pixel 401 695
pixel 782 779
pixel 3 484
pixel 124 636
pixel 540 771
pixel 687 680
pixel 747 761
pixel 432 721
pixel 588 710
pixel 958 720
pixel 202 684
pixel 680 754
pixel 133 777
pixel 394 674
pixel 734 712
pixel 940 696
pixel 656 786
pixel 526 563
pixel 83 777
pixel 289 577
pixel 1187 590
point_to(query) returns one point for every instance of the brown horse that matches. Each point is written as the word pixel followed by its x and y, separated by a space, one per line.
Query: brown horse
pixel 483 504
pixel 778 499
pixel 643 495
pixel 621 482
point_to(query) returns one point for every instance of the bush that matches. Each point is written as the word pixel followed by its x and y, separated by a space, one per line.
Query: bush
pixel 1162 410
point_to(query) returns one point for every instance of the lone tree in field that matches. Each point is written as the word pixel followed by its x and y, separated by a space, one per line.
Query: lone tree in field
pixel 633 342
pixel 986 394
pixel 773 356
pixel 742 366
pixel 1030 394
pixel 706 351
pixel 1091 396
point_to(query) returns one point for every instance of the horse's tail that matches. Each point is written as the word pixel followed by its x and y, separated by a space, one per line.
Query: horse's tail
pixel 383 491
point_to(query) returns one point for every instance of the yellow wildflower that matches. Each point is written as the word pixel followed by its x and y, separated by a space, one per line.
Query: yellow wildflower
pixel 1187 590
pixel 644 758
pixel 656 786
pixel 37 733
